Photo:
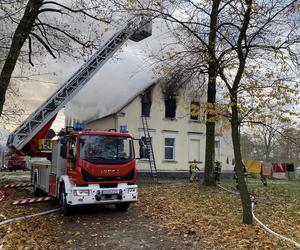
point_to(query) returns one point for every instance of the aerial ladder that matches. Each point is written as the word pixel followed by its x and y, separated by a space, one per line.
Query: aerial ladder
pixel 25 138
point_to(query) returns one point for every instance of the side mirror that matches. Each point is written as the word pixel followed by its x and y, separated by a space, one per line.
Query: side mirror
pixel 63 150
pixel 71 155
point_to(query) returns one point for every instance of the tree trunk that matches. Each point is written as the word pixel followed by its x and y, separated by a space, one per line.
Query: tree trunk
pixel 209 179
pixel 243 189
pixel 21 34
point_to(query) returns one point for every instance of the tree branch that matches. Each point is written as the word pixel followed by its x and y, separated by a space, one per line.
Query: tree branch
pixel 44 44
pixel 30 51
pixel 76 11
pixel 86 45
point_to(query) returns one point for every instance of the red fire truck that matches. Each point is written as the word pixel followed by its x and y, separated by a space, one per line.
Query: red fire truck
pixel 89 167
pixel 16 162
pixel 86 167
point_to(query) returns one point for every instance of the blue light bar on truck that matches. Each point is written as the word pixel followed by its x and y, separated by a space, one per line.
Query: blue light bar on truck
pixel 78 126
pixel 123 129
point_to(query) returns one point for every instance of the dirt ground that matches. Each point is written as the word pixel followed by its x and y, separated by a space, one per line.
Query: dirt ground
pixel 168 215
pixel 108 228
pixel 91 227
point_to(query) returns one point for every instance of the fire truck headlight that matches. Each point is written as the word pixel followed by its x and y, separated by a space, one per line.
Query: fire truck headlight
pixel 131 190
pixel 81 192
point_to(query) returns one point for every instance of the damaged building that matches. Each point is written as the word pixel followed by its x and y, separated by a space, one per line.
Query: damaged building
pixel 176 128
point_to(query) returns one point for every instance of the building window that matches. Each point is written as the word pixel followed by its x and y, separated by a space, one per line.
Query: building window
pixel 195 109
pixel 169 148
pixel 144 152
pixel 194 150
pixel 170 108
pixel 146 103
pixel 217 149
pixel 146 108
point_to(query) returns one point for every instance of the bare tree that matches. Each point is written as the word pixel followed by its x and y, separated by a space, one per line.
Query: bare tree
pixel 274 143
pixel 244 46
pixel 46 26
pixel 192 48
pixel 13 111
pixel 253 32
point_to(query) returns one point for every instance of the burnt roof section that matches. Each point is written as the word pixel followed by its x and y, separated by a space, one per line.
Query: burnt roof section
pixel 119 109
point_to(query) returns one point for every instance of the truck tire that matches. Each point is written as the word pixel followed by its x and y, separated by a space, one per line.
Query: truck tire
pixel 65 208
pixel 122 206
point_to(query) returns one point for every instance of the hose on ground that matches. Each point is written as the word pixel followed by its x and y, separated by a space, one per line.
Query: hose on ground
pixel 263 225
pixel 29 216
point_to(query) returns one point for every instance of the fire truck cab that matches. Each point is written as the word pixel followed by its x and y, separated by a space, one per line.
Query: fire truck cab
pixel 89 167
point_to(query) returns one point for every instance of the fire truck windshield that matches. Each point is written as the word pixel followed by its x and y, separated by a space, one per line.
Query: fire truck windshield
pixel 99 149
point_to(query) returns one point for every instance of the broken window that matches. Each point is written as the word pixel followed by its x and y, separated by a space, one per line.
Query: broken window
pixel 170 108
pixel 195 109
pixel 146 103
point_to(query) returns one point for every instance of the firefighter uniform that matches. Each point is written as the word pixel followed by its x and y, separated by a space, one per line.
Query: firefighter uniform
pixel 218 168
pixel 193 171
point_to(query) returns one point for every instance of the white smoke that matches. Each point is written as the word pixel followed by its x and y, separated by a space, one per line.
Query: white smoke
pixel 119 79
pixel 111 87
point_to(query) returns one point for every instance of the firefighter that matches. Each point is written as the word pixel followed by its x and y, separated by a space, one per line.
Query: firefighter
pixel 193 170
pixel 218 168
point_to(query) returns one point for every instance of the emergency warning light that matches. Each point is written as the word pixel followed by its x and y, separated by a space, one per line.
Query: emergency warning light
pixel 78 126
pixel 123 129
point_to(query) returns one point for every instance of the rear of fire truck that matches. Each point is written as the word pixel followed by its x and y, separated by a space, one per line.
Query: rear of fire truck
pixel 16 162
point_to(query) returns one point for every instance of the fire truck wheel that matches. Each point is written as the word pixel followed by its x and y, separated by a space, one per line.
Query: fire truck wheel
pixel 65 208
pixel 122 206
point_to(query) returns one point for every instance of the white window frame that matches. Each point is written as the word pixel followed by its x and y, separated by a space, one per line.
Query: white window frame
pixel 194 137
pixel 169 135
pixel 217 149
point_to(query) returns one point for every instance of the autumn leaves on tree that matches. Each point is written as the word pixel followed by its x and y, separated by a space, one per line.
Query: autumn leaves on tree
pixel 247 50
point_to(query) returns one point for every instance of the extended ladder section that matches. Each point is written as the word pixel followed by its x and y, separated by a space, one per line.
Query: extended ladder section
pixel 149 147
pixel 136 30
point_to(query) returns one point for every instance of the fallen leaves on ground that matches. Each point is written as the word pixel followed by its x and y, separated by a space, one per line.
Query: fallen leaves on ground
pixel 196 215
pixel 32 233
pixel 215 217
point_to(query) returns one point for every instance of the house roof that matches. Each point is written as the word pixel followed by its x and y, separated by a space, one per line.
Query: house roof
pixel 121 106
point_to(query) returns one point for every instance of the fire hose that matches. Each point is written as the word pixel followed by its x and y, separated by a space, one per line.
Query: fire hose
pixel 29 216
pixel 2 196
pixel 261 224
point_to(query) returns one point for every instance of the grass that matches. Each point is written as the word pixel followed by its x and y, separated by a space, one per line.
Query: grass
pixel 215 216
pixel 209 216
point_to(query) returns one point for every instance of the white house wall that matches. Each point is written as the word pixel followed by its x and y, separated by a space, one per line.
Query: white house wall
pixel 182 129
